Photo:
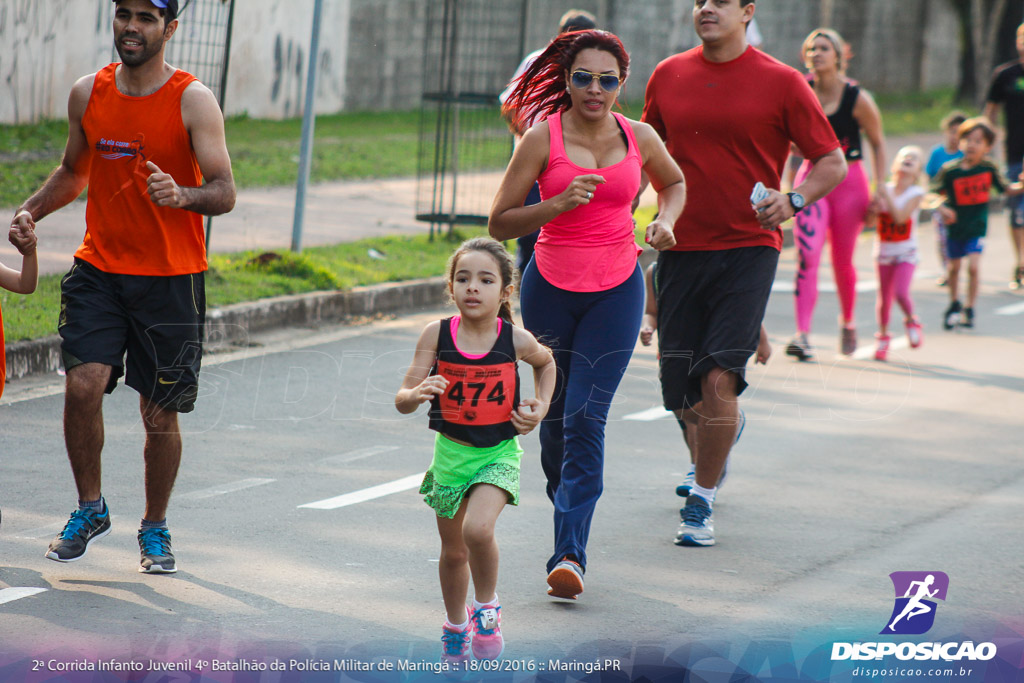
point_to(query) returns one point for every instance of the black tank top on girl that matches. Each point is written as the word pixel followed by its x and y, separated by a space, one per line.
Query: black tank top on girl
pixel 477 406
pixel 845 125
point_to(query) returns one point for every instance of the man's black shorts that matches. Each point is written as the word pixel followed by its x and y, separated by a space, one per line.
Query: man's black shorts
pixel 710 308
pixel 157 320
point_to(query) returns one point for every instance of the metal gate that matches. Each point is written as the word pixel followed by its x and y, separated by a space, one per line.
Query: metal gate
pixel 471 48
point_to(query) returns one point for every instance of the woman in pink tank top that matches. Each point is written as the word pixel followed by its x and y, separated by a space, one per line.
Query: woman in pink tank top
pixel 582 293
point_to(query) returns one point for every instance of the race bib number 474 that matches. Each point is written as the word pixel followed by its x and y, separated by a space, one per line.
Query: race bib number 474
pixel 477 394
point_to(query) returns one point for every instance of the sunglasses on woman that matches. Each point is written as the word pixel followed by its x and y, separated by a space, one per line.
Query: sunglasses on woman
pixel 582 79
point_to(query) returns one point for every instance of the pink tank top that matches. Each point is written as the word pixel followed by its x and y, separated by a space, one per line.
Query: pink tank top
pixel 590 248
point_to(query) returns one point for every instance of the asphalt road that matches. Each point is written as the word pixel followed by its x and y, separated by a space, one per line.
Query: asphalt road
pixel 848 470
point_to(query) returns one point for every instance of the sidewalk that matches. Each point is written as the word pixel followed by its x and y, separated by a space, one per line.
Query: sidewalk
pixel 335 212
pixel 262 220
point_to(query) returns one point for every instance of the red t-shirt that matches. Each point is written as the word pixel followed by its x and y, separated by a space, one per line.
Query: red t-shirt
pixel 729 125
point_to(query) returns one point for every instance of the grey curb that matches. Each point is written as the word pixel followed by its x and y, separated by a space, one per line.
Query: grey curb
pixel 237 323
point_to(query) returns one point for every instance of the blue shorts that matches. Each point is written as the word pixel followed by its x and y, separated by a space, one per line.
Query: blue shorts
pixel 960 248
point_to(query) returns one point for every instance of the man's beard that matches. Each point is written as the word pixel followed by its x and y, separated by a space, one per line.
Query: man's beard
pixel 143 55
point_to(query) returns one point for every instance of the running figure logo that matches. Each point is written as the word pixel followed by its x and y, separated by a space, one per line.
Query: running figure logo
pixel 916 592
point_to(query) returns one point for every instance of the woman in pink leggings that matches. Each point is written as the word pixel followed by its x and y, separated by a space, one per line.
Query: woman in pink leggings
pixel 840 214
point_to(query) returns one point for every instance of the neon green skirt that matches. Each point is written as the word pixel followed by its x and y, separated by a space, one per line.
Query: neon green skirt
pixel 456 468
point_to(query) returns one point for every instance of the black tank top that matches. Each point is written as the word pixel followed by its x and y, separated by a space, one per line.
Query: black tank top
pixel 477 406
pixel 845 126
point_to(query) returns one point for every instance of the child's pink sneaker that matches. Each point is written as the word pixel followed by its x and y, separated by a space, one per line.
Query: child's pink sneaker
pixel 488 642
pixel 455 644
pixel 915 333
pixel 882 351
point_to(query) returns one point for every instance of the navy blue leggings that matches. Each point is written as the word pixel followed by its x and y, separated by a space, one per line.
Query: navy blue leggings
pixel 592 335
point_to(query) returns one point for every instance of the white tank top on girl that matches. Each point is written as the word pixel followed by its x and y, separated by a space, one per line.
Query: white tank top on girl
pixel 898 243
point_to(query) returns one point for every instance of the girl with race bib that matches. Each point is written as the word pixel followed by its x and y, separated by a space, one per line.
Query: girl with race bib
pixel 465 367
pixel 896 246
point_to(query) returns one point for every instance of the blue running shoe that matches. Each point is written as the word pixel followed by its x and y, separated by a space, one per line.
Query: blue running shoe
pixel 697 528
pixel 155 546
pixel 84 526
pixel 683 490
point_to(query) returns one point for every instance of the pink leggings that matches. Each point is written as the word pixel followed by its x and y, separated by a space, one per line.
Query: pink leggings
pixel 894 281
pixel 841 215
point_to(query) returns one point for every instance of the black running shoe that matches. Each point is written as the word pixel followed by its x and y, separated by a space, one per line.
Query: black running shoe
pixel 155 546
pixel 800 348
pixel 951 318
pixel 1017 280
pixel 84 527
pixel 968 318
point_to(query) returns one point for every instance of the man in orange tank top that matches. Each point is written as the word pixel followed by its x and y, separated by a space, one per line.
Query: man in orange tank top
pixel 148 141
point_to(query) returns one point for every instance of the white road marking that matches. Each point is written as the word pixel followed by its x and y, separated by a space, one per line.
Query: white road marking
pixel 788 287
pixel 867 351
pixel 649 415
pixel 397 486
pixel 221 489
pixel 12 594
pixel 864 284
pixel 1012 309
pixel 359 454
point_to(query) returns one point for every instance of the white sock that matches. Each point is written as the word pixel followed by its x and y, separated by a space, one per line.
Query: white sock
pixel 493 602
pixel 458 627
pixel 706 494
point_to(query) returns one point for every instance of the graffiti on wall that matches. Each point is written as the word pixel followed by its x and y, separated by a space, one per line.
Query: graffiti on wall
pixel 286 88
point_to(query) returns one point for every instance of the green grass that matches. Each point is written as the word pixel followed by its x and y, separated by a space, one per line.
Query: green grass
pixel 916 112
pixel 361 145
pixel 233 278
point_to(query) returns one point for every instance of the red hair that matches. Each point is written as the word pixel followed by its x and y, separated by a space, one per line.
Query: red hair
pixel 540 90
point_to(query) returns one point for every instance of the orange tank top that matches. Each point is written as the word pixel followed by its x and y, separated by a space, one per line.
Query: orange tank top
pixel 125 232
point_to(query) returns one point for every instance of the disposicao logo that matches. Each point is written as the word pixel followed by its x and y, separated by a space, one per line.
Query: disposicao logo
pixel 913 614
pixel 916 593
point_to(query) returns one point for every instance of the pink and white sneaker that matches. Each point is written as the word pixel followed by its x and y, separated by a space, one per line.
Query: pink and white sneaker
pixel 455 644
pixel 882 351
pixel 488 642
pixel 915 333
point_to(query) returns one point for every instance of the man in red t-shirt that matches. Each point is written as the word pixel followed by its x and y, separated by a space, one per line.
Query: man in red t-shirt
pixel 728 114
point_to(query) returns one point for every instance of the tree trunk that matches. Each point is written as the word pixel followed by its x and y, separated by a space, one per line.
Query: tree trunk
pixel 985 18
pixel 967 84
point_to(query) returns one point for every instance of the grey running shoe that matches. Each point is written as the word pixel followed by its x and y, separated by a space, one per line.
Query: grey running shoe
pixel 155 546
pixel 566 580
pixel 800 348
pixel 83 527
pixel 697 527
pixel 847 340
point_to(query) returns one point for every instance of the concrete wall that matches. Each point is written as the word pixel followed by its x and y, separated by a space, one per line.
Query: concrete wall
pixel 372 51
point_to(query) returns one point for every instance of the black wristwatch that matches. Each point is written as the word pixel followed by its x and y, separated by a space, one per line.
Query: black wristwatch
pixel 797 201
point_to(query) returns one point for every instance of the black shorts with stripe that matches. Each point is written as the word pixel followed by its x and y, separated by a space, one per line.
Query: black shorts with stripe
pixel 158 321
pixel 710 308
